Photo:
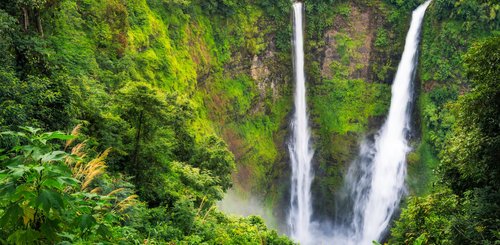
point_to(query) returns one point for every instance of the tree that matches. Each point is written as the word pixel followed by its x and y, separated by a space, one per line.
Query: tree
pixel 471 160
pixel 34 8
pixel 220 7
pixel 38 101
pixel 466 207
pixel 430 216
pixel 214 157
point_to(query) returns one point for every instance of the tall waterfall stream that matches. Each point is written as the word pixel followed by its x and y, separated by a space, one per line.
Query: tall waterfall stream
pixel 375 181
pixel 300 150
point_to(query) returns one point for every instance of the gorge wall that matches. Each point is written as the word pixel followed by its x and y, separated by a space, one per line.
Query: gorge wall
pixel 352 50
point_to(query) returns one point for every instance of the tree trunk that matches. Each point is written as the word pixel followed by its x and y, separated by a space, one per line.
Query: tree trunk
pixel 39 22
pixel 26 19
pixel 137 140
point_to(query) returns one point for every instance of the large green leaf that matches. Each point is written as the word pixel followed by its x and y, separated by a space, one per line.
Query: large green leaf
pixel 50 228
pixel 24 192
pixel 32 151
pixel 6 190
pixel 59 182
pixel 56 135
pixel 67 180
pixel 54 156
pixel 4 176
pixel 28 236
pixel 103 231
pixel 86 221
pixel 11 215
pixel 39 169
pixel 49 199
pixel 52 183
pixel 67 236
pixel 11 133
pixel 18 171
pixel 30 129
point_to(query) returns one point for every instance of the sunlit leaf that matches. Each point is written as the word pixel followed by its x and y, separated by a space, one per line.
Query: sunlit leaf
pixel 11 133
pixel 30 129
pixel 68 181
pixel 57 135
pixel 18 171
pixel 29 215
pixel 52 183
pixel 39 169
pixel 54 156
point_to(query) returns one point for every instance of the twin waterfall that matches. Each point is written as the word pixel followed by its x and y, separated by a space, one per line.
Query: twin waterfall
pixel 375 182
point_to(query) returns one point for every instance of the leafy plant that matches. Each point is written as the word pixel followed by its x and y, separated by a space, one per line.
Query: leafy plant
pixel 45 194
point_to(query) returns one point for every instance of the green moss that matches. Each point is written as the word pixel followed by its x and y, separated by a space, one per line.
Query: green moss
pixel 381 39
pixel 343 9
pixel 262 145
pixel 345 105
pixel 235 96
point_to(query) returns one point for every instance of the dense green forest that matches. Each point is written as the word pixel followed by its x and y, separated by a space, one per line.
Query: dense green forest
pixel 125 122
pixel 144 163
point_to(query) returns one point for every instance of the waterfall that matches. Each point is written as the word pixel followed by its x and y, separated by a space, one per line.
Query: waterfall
pixel 300 151
pixel 375 182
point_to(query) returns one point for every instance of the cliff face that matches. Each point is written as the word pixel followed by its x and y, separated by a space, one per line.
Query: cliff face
pixel 349 94
pixel 359 27
pixel 352 53
pixel 249 103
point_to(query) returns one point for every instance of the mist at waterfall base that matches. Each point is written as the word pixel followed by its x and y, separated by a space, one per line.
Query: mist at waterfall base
pixel 244 204
pixel 374 184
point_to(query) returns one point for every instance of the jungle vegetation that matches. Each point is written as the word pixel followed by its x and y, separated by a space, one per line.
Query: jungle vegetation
pixel 124 122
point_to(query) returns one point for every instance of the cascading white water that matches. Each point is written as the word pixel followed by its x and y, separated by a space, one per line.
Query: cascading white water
pixel 300 151
pixel 375 182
